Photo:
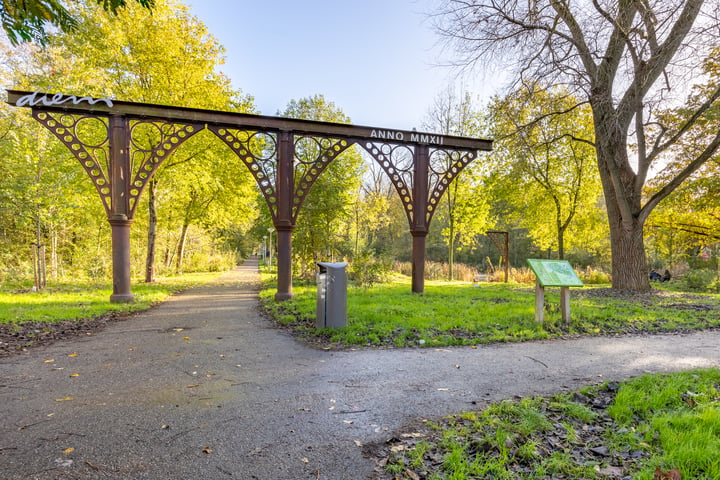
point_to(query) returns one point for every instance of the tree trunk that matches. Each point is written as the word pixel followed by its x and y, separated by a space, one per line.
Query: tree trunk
pixel 629 265
pixel 451 256
pixel 152 233
pixel 53 252
pixel 451 229
pixel 627 245
pixel 623 199
pixel 561 242
pixel 181 248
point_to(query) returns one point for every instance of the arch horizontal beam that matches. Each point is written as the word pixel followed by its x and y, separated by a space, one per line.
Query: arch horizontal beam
pixel 86 105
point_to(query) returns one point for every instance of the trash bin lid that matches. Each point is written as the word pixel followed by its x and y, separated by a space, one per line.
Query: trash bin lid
pixel 332 265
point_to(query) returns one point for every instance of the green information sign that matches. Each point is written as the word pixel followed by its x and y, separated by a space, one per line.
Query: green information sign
pixel 554 273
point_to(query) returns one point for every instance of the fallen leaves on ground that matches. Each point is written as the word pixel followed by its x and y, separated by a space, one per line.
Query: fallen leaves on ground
pixel 673 474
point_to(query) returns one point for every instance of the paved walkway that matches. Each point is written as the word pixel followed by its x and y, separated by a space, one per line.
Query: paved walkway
pixel 203 387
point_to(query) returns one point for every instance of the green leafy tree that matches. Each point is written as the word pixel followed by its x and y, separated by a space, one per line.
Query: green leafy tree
pixel 370 209
pixel 180 68
pixel 628 60
pixel 381 220
pixel 209 191
pixel 690 218
pixel 45 199
pixel 544 164
pixel 466 210
pixel 26 20
pixel 168 58
pixel 326 215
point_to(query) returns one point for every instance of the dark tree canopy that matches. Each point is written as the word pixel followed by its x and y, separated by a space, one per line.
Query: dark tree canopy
pixel 27 20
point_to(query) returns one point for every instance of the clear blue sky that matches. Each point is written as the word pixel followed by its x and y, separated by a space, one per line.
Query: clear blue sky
pixel 376 59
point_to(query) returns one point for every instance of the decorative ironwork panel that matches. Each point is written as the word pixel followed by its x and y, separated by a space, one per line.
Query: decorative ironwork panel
pixel 398 162
pixel 312 156
pixel 445 165
pixel 86 136
pixel 151 143
pixel 258 151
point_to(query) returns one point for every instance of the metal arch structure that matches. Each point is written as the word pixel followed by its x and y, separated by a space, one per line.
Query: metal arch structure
pixel 121 145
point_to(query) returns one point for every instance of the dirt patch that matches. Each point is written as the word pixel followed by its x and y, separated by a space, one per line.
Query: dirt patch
pixel 582 441
pixel 18 337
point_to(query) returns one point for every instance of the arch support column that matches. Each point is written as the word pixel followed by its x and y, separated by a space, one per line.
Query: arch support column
pixel 284 221
pixel 120 213
pixel 418 262
pixel 284 259
pixel 419 225
pixel 121 260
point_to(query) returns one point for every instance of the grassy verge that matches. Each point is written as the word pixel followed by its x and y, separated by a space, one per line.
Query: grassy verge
pixel 84 300
pixel 628 430
pixel 460 314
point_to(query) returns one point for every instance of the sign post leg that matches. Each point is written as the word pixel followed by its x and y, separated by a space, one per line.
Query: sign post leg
pixel 539 302
pixel 565 304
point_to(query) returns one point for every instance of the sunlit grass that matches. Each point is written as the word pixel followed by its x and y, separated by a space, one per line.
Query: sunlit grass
pixel 461 314
pixel 86 300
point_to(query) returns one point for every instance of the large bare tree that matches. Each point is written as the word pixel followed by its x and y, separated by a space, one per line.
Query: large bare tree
pixel 630 60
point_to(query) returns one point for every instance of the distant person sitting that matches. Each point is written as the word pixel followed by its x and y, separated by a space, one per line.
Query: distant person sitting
pixel 666 276
pixel 655 276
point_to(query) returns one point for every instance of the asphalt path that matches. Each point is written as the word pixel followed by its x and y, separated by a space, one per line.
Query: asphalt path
pixel 204 387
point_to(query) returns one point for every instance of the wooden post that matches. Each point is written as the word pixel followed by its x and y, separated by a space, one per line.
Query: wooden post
pixel 565 304
pixel 507 256
pixel 539 302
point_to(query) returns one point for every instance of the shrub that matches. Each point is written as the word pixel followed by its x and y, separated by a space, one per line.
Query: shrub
pixel 699 280
pixel 204 261
pixel 522 275
pixel 367 270
pixel 435 271
pixel 439 271
pixel 592 276
pixel 465 272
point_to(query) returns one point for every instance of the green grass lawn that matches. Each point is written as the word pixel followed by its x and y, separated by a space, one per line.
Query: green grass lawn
pixel 78 300
pixel 627 430
pixel 462 314
pixel 390 315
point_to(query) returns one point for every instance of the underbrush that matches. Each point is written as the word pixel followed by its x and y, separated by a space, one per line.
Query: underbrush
pixel 662 422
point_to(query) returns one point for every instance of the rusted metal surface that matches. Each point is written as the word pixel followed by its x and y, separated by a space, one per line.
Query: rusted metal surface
pixel 129 141
pixel 250 122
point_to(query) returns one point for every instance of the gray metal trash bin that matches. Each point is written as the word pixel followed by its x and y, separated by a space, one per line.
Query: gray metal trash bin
pixel 331 295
